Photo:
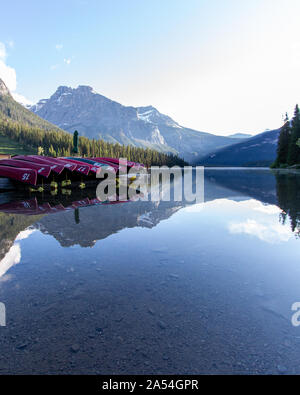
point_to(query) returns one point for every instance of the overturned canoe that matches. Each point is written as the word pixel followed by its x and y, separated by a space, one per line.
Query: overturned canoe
pixel 138 166
pixel 23 175
pixel 42 169
pixel 95 167
pixel 79 168
pixel 55 167
pixel 109 166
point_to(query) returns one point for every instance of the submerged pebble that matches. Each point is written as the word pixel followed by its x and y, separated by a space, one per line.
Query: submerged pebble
pixel 22 346
pixel 162 325
pixel 75 348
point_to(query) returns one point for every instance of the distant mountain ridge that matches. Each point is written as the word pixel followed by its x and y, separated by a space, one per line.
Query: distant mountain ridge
pixel 96 116
pixel 260 150
pixel 241 136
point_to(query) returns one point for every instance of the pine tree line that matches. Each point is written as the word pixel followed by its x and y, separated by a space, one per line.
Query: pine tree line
pixel 288 150
pixel 59 143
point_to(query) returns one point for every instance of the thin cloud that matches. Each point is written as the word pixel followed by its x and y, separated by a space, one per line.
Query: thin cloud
pixel 59 47
pixel 9 76
pixel 22 99
pixel 7 73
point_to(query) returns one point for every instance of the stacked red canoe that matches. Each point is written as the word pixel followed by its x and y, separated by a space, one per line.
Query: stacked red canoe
pixel 35 170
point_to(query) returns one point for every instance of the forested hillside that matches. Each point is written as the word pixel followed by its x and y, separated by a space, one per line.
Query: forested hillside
pixel 11 110
pixel 60 143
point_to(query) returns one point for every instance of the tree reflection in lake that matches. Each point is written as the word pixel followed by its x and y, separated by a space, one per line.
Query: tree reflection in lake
pixel 288 196
pixel 153 287
pixel 279 188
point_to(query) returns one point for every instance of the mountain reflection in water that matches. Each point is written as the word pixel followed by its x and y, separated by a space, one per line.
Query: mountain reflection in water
pixel 154 287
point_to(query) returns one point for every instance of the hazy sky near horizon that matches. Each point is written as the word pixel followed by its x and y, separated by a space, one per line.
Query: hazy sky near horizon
pixel 220 66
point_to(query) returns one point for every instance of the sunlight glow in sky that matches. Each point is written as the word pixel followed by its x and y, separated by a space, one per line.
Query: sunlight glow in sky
pixel 220 66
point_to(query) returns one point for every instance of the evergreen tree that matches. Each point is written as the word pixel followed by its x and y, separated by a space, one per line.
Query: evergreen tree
pixel 283 143
pixel 294 149
pixel 75 142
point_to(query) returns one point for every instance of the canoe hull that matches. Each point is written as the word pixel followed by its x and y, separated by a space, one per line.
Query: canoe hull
pixel 22 175
pixel 42 170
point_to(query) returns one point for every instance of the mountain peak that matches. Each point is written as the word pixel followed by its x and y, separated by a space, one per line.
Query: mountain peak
pixel 147 108
pixel 81 89
pixel 62 89
pixel 96 116
pixel 85 88
pixel 3 89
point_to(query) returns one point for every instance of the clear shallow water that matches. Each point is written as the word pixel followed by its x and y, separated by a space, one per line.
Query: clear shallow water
pixel 147 288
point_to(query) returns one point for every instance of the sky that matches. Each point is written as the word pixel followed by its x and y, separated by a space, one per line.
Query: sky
pixel 219 66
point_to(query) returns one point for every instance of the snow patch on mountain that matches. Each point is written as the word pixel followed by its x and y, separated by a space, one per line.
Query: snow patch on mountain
pixel 152 115
pixel 145 116
pixel 38 106
pixel 156 137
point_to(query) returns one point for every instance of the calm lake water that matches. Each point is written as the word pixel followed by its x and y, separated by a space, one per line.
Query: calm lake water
pixel 157 288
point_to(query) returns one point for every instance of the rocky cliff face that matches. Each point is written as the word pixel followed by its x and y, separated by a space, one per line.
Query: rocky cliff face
pixel 96 116
pixel 3 89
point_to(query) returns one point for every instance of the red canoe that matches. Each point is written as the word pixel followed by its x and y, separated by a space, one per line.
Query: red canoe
pixel 117 166
pixel 117 162
pixel 43 170
pixel 55 167
pixel 92 168
pixel 56 161
pixel 27 176
pixel 103 164
pixel 77 167
pixel 57 164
